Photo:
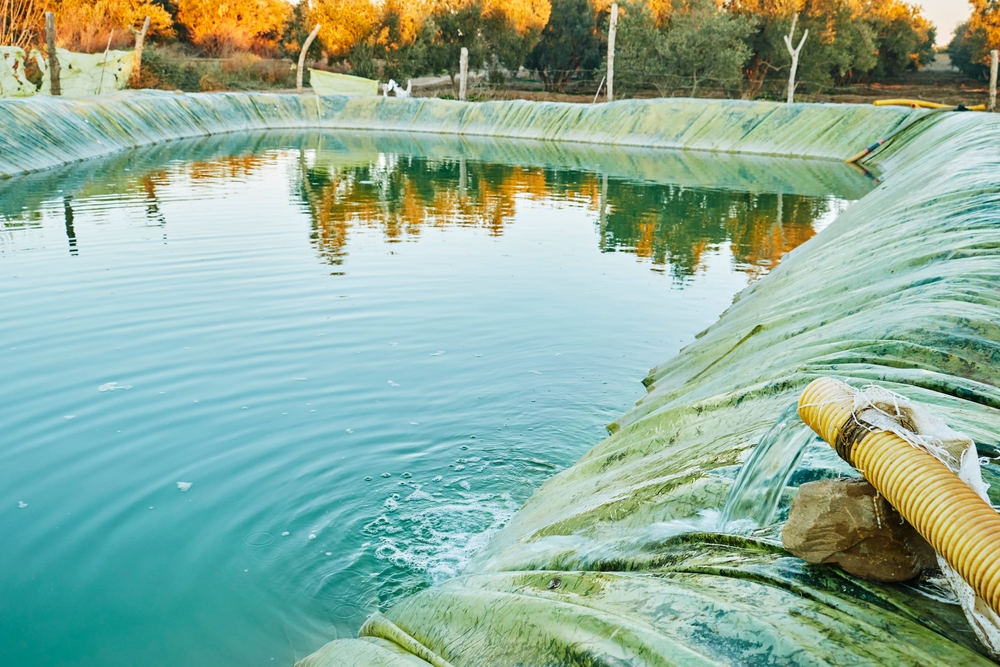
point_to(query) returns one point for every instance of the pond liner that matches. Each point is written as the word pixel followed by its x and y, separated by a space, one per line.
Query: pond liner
pixel 44 132
pixel 617 560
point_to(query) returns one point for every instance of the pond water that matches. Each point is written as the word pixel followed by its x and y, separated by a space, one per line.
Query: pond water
pixel 363 353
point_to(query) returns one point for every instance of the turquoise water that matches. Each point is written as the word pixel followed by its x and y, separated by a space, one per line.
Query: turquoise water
pixel 363 353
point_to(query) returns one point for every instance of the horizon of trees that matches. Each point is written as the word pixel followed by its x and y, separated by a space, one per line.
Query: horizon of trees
pixel 736 46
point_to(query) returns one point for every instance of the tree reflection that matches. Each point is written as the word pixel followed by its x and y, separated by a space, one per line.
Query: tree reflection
pixel 671 227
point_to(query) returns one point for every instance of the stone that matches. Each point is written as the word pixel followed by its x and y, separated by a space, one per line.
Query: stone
pixel 846 522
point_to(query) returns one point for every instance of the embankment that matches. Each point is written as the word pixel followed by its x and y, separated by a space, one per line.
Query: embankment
pixel 44 132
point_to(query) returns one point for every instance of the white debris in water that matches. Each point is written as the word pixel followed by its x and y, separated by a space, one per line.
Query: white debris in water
pixel 536 372
pixel 184 486
pixel 312 536
pixel 394 344
pixel 285 534
pixel 438 353
pixel 479 355
pixel 301 379
pixel 328 553
pixel 69 416
pixel 465 485
pixel 22 504
pixel 415 423
pixel 392 384
pixel 113 386
pixel 349 430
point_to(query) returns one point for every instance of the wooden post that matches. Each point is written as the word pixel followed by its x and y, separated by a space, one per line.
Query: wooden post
pixel 104 65
pixel 302 58
pixel 993 80
pixel 50 44
pixel 612 29
pixel 463 73
pixel 140 41
pixel 794 52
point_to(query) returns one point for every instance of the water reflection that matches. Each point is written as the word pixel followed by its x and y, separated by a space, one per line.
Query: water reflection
pixel 670 226
pixel 670 209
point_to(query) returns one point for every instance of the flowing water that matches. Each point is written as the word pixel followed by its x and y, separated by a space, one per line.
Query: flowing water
pixel 256 388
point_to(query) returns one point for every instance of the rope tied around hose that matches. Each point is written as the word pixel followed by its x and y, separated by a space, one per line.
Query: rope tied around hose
pixel 931 475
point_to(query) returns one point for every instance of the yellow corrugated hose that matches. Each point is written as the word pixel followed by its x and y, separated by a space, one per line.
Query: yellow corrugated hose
pixel 960 525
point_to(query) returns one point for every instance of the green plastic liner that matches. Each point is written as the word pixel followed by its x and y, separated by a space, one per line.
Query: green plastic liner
pixel 331 83
pixel 43 132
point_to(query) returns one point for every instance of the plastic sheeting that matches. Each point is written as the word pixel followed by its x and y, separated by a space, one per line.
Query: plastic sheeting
pixel 619 559
pixel 53 131
pixel 81 74
pixel 331 83
pixel 86 74
pixel 13 82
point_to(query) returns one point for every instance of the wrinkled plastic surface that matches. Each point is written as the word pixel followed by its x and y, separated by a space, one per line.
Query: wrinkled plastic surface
pixel 605 564
pixel 13 83
pixel 87 74
pixel 331 83
pixel 52 131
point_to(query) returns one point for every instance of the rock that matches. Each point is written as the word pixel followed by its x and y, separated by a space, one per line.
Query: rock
pixel 846 521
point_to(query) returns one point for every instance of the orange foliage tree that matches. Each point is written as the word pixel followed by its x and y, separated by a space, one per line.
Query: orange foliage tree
pixel 86 25
pixel 222 27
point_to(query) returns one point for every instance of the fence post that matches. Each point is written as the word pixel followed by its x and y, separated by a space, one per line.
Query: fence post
pixel 612 29
pixel 50 44
pixel 993 80
pixel 302 58
pixel 794 53
pixel 463 73
pixel 140 42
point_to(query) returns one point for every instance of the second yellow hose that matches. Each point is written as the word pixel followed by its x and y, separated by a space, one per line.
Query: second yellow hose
pixel 957 522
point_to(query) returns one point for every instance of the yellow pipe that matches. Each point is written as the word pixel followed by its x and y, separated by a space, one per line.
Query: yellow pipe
pixel 920 104
pixel 959 524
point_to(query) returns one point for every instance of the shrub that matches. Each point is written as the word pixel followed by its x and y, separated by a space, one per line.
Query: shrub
pixel 86 25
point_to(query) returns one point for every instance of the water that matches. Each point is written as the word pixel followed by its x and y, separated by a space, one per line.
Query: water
pixel 256 388
pixel 755 493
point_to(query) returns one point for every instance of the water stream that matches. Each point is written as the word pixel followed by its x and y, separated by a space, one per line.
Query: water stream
pixel 759 485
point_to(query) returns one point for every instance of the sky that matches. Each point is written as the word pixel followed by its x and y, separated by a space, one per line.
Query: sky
pixel 945 14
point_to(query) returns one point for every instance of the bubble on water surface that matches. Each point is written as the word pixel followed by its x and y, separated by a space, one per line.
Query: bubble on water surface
pixel 437 536
pixel 386 474
pixel 184 486
pixel 22 504
pixel 465 485
pixel 113 386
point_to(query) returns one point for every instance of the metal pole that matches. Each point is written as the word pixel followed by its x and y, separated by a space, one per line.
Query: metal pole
pixel 50 43
pixel 612 29
pixel 463 73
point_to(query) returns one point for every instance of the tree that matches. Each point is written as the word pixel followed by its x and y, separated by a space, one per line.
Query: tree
pixel 568 43
pixel 699 42
pixel 222 27
pixel 345 23
pixel 704 42
pixel 904 39
pixel 86 25
pixel 970 48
